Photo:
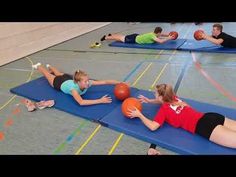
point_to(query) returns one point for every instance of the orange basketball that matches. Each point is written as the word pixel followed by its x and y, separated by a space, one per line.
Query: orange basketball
pixel 175 34
pixel 121 91
pixel 198 35
pixel 129 103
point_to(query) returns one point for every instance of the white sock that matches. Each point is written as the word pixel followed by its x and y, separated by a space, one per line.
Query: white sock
pixel 36 65
pixel 48 65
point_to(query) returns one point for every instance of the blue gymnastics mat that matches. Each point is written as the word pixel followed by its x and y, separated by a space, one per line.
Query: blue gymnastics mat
pixel 40 89
pixel 177 140
pixel 204 46
pixel 169 45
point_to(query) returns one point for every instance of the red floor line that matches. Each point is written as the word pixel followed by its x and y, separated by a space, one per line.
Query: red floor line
pixel 218 86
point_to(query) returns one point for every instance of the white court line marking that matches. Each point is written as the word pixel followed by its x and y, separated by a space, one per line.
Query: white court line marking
pixel 15 69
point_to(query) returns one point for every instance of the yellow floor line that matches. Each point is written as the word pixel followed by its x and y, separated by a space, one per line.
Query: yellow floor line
pixel 115 144
pixel 159 75
pixel 141 75
pixel 32 70
pixel 10 100
pixel 13 97
pixel 87 141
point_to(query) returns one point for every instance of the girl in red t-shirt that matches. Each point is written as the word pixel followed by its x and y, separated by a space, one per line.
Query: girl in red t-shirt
pixel 213 126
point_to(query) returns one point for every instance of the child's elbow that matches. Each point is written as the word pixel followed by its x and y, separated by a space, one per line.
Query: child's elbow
pixel 81 102
pixel 153 128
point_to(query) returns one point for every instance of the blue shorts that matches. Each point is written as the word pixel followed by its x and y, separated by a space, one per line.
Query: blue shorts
pixel 131 38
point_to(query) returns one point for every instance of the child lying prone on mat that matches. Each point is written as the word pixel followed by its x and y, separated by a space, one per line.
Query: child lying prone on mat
pixel 75 85
pixel 212 126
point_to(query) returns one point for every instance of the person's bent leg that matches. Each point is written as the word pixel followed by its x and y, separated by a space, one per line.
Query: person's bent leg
pixel 223 136
pixel 46 73
pixel 229 123
pixel 116 37
pixel 55 71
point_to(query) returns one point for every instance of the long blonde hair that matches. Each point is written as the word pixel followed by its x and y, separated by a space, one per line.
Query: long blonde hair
pixel 78 75
pixel 168 95
pixel 166 91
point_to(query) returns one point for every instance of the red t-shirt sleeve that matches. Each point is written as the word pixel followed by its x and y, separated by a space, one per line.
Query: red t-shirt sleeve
pixel 160 116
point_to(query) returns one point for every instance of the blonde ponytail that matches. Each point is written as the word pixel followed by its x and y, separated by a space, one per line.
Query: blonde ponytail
pixel 78 75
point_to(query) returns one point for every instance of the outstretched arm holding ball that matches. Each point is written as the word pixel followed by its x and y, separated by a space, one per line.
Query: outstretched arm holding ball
pixel 212 39
pixel 145 38
pixel 152 125
pixel 212 126
pixel 218 37
pixel 201 35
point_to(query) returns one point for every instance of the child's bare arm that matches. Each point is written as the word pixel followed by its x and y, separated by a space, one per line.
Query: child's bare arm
pixel 144 99
pixel 82 102
pixel 106 82
pixel 152 125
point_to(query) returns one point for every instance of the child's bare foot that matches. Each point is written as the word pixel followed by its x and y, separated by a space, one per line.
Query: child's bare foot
pixel 152 151
pixel 48 66
pixel 49 69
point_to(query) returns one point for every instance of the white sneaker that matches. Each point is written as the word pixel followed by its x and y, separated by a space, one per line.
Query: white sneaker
pixel 36 65
pixel 48 65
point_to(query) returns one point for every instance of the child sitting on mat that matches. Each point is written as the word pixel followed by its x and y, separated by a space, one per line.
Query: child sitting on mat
pixel 75 85
pixel 213 126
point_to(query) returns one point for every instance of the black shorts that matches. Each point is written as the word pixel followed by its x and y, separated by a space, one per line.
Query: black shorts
pixel 130 38
pixel 58 80
pixel 207 124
